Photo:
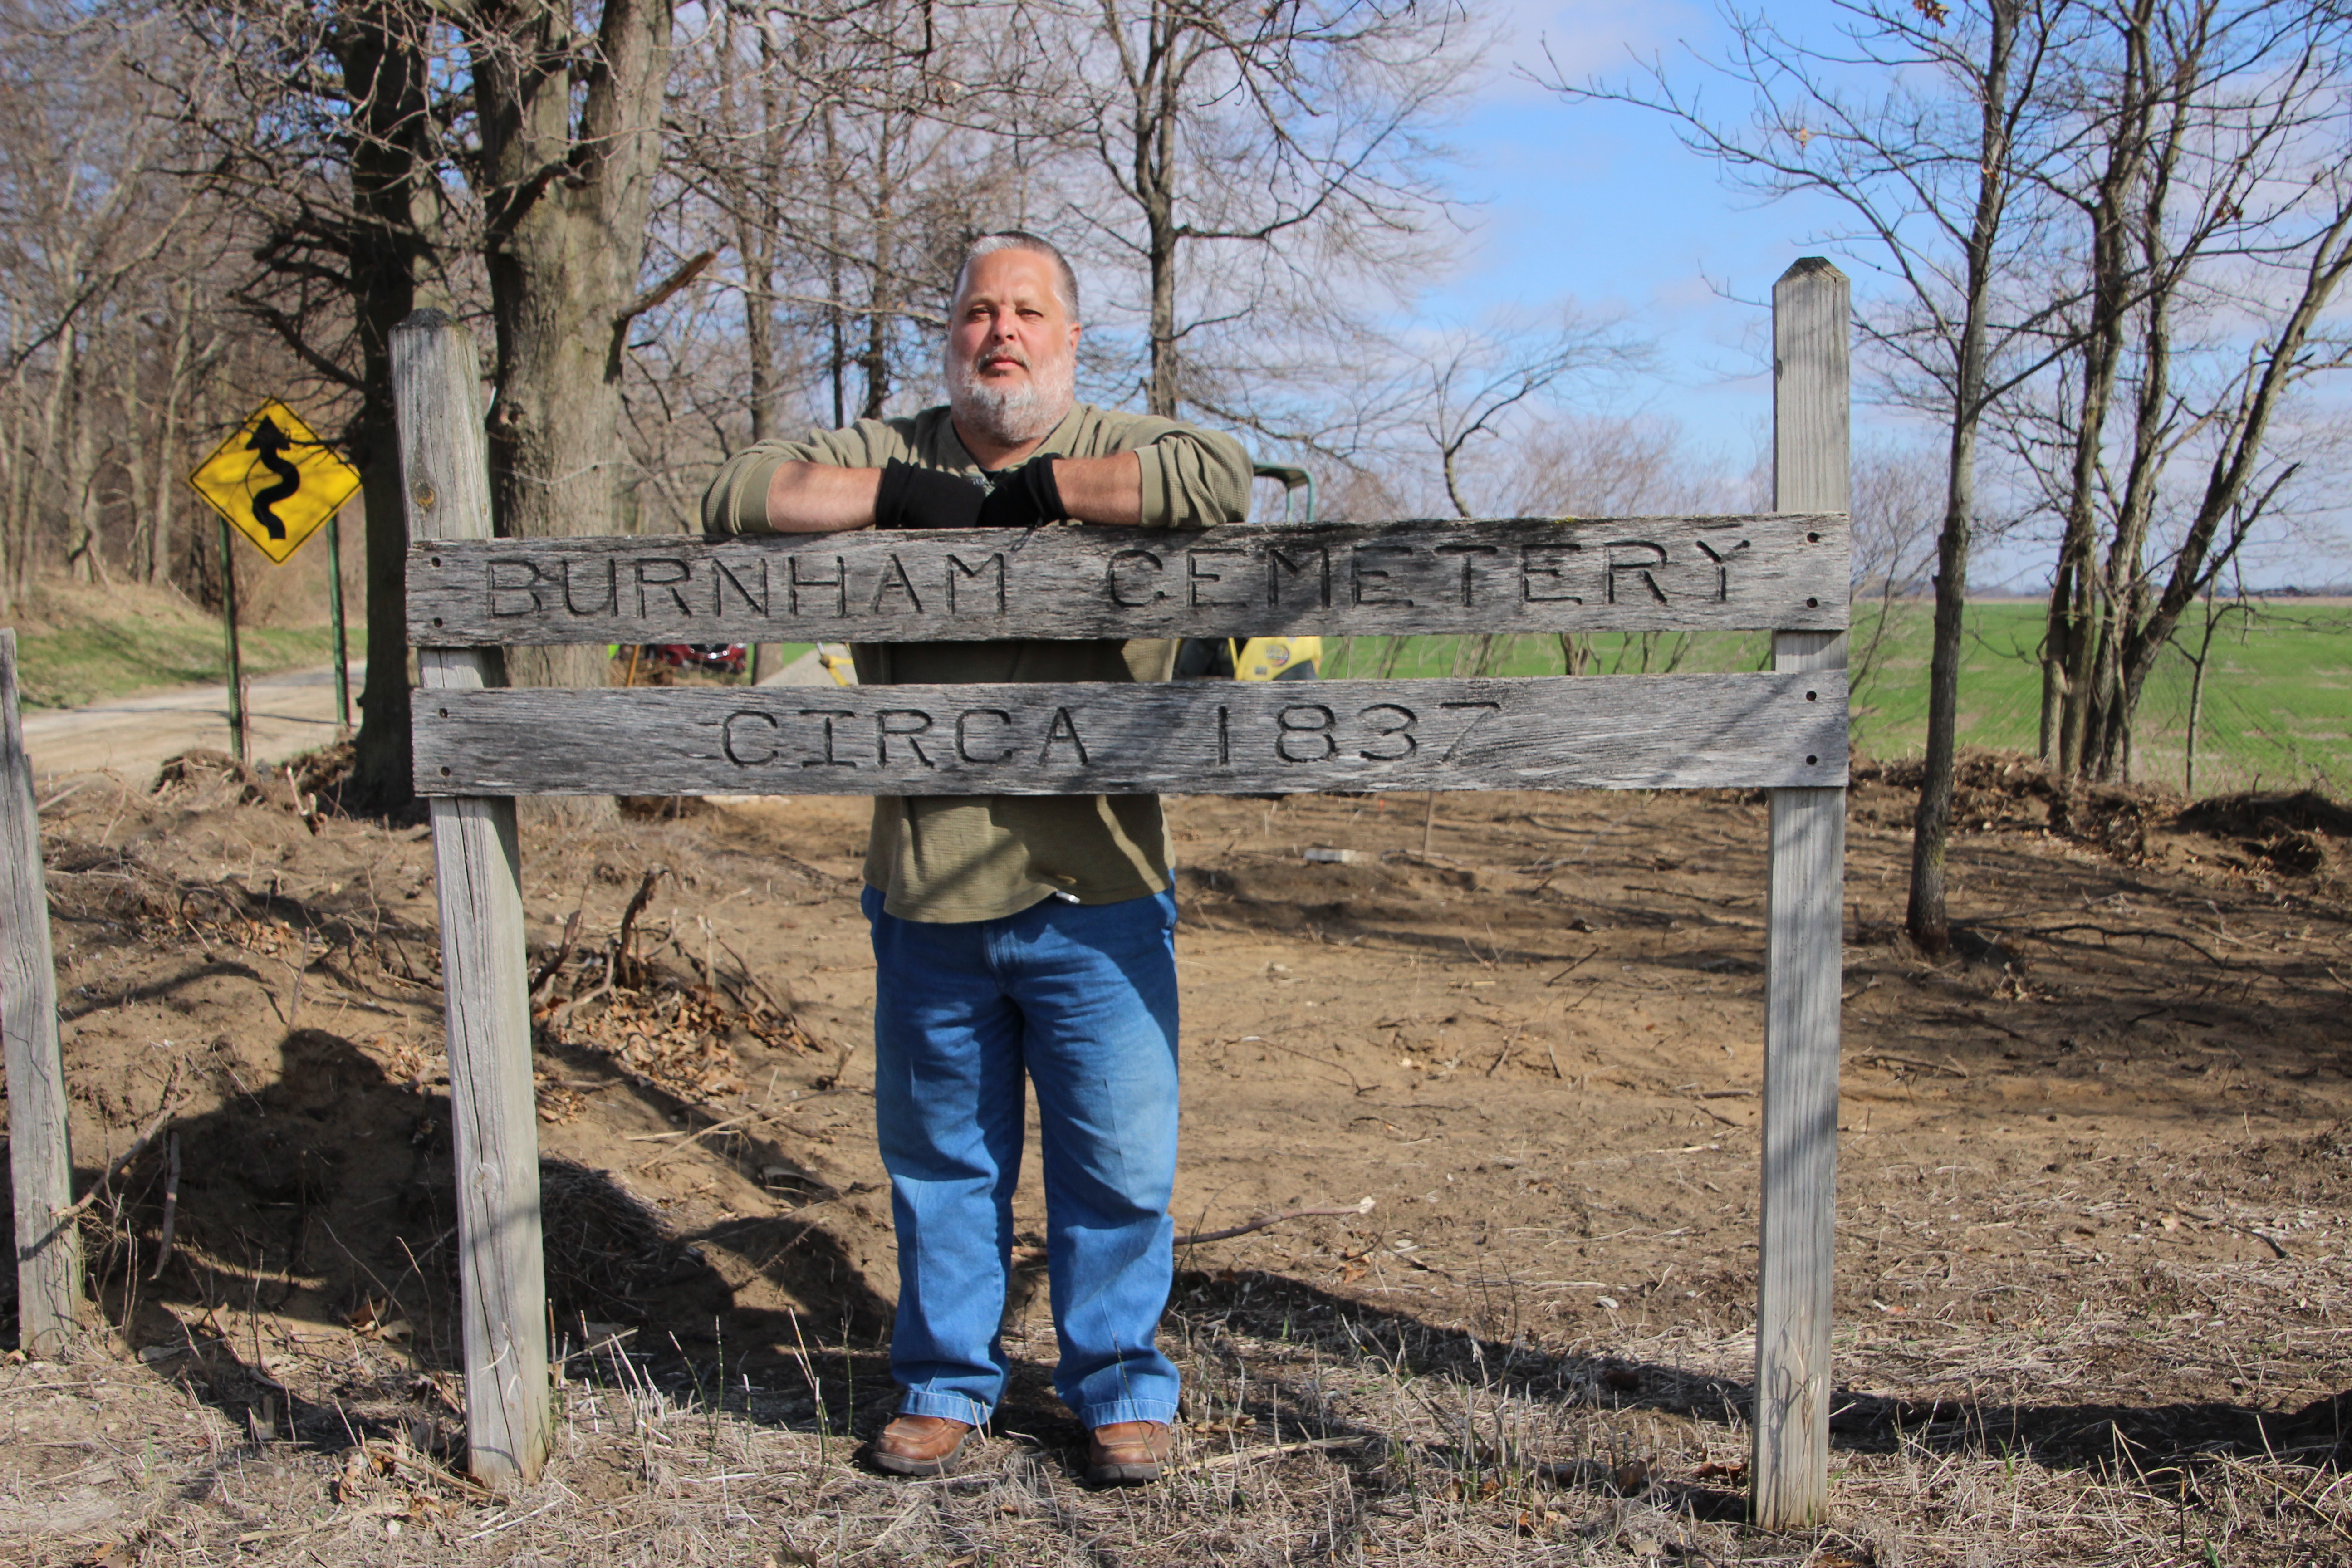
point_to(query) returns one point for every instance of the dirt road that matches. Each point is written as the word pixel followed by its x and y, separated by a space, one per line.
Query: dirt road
pixel 290 712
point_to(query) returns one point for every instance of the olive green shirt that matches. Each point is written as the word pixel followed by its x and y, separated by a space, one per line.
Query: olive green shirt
pixel 975 857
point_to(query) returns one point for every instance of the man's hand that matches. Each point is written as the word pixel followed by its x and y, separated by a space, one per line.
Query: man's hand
pixel 909 497
pixel 818 498
pixel 1083 489
pixel 1026 497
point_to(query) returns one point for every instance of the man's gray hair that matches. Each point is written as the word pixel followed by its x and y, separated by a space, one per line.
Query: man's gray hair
pixel 1066 281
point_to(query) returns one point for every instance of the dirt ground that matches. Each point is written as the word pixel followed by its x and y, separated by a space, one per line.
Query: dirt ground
pixel 2092 1217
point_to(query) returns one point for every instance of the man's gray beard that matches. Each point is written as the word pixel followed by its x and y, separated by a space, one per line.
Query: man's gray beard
pixel 1011 416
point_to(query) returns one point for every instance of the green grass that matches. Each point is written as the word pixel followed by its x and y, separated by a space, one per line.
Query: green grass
pixel 100 658
pixel 2278 694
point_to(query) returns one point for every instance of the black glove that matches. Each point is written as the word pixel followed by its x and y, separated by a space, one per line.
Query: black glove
pixel 909 497
pixel 1026 497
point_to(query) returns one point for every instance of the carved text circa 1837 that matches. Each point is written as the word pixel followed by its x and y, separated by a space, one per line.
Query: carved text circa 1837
pixel 1527 575
pixel 1670 731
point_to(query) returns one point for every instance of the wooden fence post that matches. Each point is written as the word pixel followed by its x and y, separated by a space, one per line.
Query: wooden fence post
pixel 40 1156
pixel 477 873
pixel 1804 946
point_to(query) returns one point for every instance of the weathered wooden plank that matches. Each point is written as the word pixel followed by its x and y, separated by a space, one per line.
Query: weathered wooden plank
pixel 478 875
pixel 1670 731
pixel 40 1154
pixel 1803 956
pixel 1647 573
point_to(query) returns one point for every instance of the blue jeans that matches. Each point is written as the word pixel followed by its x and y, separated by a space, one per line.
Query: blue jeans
pixel 1082 1000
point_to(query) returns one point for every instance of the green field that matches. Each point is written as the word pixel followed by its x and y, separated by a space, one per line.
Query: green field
pixel 2278 692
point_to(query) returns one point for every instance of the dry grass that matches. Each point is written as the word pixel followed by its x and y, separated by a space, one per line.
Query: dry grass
pixel 1318 1430
pixel 2093 1216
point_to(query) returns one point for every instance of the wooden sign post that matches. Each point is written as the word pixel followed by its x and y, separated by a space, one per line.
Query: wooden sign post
pixel 40 1158
pixel 477 745
pixel 478 875
pixel 1804 945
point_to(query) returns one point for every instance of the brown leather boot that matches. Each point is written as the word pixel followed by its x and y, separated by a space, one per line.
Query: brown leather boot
pixel 1128 1453
pixel 921 1444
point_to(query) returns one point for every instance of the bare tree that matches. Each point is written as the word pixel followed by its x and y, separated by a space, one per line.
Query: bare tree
pixel 92 231
pixel 410 134
pixel 1468 390
pixel 569 121
pixel 1261 160
pixel 2202 191
pixel 1923 122
pixel 844 155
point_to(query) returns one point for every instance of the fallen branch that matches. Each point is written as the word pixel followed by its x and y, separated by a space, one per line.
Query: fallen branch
pixel 1263 1221
pixel 1239 1455
pixel 696 1132
pixel 1888 1058
pixel 418 1465
pixel 555 960
pixel 139 1146
pixel 2112 933
pixel 619 968
pixel 1970 1015
pixel 171 1204
pixel 305 806
pixel 2267 1240
pixel 778 1008
pixel 1574 967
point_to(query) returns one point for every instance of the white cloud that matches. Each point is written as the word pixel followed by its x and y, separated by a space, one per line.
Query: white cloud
pixel 1577 39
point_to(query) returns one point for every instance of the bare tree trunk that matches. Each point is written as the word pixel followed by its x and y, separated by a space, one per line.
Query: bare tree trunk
pixel 1932 822
pixel 2197 697
pixel 137 462
pixel 1157 109
pixel 837 328
pixel 567 208
pixel 2073 603
pixel 758 235
pixel 383 55
pixel 86 543
pixel 1926 917
pixel 40 463
pixel 156 566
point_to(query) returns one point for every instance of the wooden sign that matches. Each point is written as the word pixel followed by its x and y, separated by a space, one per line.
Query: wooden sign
pixel 1672 731
pixel 1647 573
pixel 1785 730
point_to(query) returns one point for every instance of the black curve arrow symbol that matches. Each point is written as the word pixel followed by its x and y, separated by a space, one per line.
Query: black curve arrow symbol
pixel 271 442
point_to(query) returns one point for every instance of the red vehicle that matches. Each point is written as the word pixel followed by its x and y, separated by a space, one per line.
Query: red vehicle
pixel 724 658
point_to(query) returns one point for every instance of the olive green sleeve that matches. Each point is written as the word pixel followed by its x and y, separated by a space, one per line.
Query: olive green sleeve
pixel 1192 477
pixel 737 501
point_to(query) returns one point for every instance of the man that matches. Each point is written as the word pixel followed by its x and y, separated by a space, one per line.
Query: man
pixel 1016 934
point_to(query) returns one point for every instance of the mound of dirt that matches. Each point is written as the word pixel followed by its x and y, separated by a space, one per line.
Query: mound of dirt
pixel 2301 832
pixel 1997 790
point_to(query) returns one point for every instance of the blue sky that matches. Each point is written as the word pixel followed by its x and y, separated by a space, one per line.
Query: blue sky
pixel 1602 205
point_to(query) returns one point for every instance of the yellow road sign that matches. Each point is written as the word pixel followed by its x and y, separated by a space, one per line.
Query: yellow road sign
pixel 275 481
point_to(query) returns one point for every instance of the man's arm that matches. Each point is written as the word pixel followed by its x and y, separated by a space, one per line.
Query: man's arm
pixel 818 498
pixel 1108 491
